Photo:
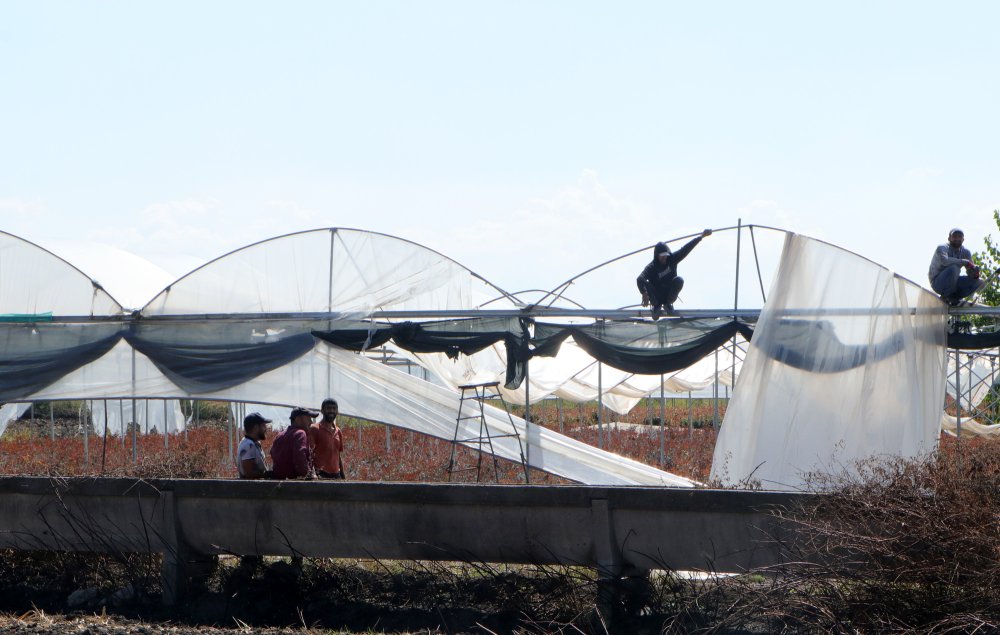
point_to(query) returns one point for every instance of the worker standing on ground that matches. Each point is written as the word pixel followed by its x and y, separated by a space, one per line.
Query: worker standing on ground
pixel 290 453
pixel 327 443
pixel 946 269
pixel 250 457
pixel 659 283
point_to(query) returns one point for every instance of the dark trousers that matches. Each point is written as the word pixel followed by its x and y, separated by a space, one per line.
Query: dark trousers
pixel 950 285
pixel 665 292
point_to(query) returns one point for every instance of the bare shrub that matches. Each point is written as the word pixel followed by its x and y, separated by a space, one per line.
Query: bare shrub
pixel 895 546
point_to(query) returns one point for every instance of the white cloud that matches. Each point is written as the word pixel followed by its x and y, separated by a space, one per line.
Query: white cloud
pixel 553 237
pixel 547 240
pixel 21 207
pixel 292 209
pixel 772 213
pixel 922 173
pixel 173 213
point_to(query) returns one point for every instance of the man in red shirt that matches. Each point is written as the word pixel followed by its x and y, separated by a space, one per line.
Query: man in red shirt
pixel 290 454
pixel 326 442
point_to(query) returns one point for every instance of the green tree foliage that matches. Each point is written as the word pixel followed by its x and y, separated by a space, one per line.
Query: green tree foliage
pixel 988 261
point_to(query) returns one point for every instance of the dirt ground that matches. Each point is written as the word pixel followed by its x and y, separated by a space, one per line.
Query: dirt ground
pixel 43 592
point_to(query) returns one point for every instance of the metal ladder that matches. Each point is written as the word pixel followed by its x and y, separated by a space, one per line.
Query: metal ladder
pixel 479 394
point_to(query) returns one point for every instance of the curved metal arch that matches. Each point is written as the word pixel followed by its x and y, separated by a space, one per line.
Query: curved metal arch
pixel 557 289
pixel 846 251
pixel 516 295
pixel 94 283
pixel 332 230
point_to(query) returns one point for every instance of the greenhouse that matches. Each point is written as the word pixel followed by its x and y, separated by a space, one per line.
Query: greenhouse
pixel 846 359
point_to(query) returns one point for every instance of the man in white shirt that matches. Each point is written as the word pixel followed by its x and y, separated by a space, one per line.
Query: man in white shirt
pixel 250 456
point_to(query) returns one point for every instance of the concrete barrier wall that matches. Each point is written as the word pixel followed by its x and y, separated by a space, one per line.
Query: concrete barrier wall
pixel 618 530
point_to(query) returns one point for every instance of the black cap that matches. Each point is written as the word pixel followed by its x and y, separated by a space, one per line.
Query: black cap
pixel 253 419
pixel 303 411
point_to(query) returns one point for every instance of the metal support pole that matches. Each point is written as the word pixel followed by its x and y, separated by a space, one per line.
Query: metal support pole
pixel 388 435
pixel 732 368
pixel 760 279
pixel 527 418
pixel 736 293
pixel 527 395
pixel 993 380
pixel 736 299
pixel 559 407
pixel 663 416
pixel 52 420
pixel 135 434
pixel 329 305
pixel 690 415
pixel 88 410
pixel 104 445
pixel 715 393
pixel 958 404
pixel 600 407
pixel 135 418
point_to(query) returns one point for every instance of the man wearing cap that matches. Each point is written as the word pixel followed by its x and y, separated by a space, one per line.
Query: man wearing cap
pixel 290 450
pixel 946 268
pixel 659 283
pixel 250 457
pixel 326 442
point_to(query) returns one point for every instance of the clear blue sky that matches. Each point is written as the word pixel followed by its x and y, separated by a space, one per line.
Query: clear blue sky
pixel 527 140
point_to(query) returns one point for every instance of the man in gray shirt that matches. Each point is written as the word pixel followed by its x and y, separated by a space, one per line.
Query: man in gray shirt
pixel 250 456
pixel 946 268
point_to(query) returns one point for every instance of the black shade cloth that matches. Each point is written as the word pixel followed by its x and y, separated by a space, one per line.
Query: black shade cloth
pixel 645 348
pixel 36 355
pixel 451 337
pixel 973 341
pixel 649 348
pixel 813 345
pixel 204 358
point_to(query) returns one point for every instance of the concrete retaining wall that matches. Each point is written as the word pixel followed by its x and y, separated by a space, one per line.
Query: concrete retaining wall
pixel 618 530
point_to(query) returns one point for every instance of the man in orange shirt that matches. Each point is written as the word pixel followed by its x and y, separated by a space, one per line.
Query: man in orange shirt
pixel 326 442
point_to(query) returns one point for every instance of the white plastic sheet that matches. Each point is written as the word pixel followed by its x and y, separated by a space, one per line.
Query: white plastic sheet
pixel 10 412
pixel 149 415
pixel 35 281
pixel 868 380
pixel 324 270
pixel 370 390
pixel 572 375
pixel 970 427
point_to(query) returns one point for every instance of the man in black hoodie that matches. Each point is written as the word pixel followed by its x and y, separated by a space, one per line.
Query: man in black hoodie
pixel 659 283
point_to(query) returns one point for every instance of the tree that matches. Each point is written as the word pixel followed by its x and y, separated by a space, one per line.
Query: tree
pixel 988 261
